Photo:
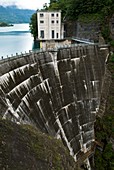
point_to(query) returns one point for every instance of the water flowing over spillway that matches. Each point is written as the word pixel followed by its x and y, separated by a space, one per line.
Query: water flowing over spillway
pixel 56 91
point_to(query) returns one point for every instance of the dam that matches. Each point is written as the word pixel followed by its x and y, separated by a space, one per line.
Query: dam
pixel 58 91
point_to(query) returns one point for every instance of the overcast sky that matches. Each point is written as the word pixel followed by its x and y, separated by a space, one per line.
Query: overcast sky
pixel 27 4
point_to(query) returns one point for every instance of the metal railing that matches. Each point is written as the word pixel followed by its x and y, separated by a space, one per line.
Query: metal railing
pixel 83 40
pixel 33 52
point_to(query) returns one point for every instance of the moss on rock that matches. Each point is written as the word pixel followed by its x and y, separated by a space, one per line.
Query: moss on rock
pixel 25 148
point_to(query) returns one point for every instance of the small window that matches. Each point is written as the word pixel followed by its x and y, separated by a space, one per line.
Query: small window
pixel 42 33
pixel 57 15
pixel 52 33
pixel 52 15
pixel 57 35
pixel 57 21
pixel 41 15
pixel 41 21
pixel 52 21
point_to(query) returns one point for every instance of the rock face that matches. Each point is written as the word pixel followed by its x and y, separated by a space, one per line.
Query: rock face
pixel 83 30
pixel 88 30
pixel 24 147
pixel 111 24
pixel 56 91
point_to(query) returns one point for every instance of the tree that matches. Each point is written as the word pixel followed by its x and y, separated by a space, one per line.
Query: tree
pixel 34 26
pixel 53 1
pixel 73 8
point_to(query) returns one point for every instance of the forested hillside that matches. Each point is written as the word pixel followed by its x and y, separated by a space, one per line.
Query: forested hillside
pixel 73 8
pixel 81 10
pixel 89 10
pixel 12 14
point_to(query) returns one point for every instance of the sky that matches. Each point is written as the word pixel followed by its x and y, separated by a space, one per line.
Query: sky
pixel 25 4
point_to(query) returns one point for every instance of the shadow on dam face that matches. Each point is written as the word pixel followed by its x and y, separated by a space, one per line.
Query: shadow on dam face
pixel 56 91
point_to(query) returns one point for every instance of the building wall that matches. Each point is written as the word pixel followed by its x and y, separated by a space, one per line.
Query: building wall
pixel 54 44
pixel 48 21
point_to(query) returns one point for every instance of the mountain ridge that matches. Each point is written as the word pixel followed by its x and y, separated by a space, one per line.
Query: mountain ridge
pixel 12 14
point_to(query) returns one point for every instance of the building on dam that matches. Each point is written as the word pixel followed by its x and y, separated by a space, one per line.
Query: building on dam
pixel 50 29
pixel 50 25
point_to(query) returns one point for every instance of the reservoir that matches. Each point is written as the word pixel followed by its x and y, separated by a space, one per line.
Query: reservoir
pixel 15 39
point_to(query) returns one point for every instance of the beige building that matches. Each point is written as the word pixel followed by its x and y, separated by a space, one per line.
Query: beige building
pixel 49 25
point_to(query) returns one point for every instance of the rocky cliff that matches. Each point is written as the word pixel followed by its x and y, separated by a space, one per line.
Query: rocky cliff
pixel 24 147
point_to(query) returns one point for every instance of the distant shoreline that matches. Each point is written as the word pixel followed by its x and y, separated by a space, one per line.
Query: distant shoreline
pixel 3 24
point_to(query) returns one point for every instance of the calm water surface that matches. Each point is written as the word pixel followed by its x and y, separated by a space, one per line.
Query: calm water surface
pixel 15 39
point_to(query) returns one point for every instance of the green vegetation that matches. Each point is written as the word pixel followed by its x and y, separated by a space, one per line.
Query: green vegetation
pixel 23 147
pixel 72 9
pixel 88 18
pixel 105 160
pixel 87 11
pixel 34 26
pixel 12 14
pixel 104 129
pixel 112 43
pixel 3 24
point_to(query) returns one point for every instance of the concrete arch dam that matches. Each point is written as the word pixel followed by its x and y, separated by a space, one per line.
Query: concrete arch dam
pixel 56 91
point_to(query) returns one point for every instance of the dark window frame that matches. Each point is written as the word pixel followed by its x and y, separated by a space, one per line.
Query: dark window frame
pixel 52 14
pixel 53 34
pixel 41 21
pixel 42 33
pixel 52 21
pixel 57 35
pixel 41 15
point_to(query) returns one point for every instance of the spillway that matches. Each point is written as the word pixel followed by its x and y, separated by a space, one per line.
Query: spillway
pixel 57 91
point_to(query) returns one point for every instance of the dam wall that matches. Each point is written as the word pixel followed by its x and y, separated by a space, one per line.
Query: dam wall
pixel 57 91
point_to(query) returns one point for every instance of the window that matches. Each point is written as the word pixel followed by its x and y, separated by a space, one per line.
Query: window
pixel 41 21
pixel 52 21
pixel 57 21
pixel 42 33
pixel 57 35
pixel 52 33
pixel 52 15
pixel 41 15
pixel 57 15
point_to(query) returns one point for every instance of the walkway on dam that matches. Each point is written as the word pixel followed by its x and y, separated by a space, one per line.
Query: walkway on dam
pixel 86 155
pixel 81 43
pixel 82 40
pixel 89 153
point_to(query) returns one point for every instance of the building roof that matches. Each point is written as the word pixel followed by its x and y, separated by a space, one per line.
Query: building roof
pixel 48 11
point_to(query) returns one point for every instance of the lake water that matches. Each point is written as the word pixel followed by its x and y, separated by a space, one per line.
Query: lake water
pixel 15 39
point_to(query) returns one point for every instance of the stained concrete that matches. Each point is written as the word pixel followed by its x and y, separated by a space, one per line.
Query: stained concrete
pixel 56 91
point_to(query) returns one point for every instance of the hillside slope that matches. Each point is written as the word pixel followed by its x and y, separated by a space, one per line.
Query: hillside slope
pixel 24 147
pixel 12 14
pixel 104 127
